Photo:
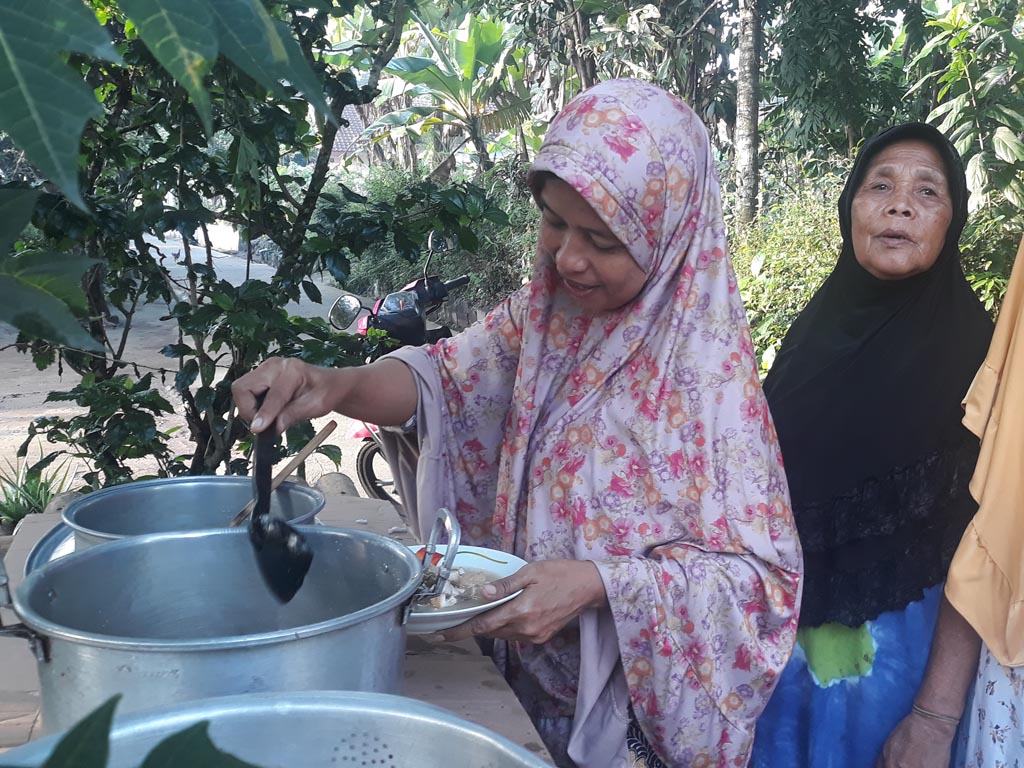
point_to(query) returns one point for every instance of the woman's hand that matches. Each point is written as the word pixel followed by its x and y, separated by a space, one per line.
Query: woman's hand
pixel 918 742
pixel 381 393
pixel 554 593
pixel 294 390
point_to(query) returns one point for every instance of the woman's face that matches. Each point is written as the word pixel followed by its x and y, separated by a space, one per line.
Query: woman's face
pixel 901 211
pixel 593 265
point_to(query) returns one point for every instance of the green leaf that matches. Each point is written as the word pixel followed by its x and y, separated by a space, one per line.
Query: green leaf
pixel 421 71
pixel 204 398
pixel 191 747
pixel 332 452
pixel 44 105
pixel 400 117
pixel 184 378
pixel 976 176
pixel 1010 116
pixel 87 745
pixel 182 37
pixel 35 290
pixel 16 206
pixel 1007 146
pixel 1014 192
pixel 264 49
pixel 310 289
pixel 176 350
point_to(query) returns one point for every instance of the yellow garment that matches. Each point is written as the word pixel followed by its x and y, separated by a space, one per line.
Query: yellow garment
pixel 986 579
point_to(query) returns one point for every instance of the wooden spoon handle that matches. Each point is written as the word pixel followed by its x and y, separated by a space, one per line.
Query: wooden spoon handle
pixel 290 467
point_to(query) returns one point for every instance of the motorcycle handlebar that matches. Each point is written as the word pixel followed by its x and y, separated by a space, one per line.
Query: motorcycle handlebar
pixel 458 282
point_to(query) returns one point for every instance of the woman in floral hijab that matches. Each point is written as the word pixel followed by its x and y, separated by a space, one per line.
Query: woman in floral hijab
pixel 606 424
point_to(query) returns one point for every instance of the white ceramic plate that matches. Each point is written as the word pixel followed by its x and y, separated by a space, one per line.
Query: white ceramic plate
pixel 500 564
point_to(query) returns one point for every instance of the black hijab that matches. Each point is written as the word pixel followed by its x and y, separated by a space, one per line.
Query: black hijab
pixel 865 393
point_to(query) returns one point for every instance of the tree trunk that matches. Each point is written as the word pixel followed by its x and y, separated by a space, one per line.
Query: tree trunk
pixel 748 92
pixel 480 145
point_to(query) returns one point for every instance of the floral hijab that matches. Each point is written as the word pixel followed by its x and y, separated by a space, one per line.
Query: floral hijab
pixel 638 439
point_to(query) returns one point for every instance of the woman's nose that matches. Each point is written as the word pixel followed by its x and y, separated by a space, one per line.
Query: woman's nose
pixel 570 258
pixel 901 202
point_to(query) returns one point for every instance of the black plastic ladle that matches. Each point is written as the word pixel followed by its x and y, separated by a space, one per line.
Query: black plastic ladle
pixel 282 552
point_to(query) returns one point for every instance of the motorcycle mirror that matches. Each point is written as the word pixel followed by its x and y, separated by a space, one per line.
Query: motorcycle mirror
pixel 344 312
pixel 437 242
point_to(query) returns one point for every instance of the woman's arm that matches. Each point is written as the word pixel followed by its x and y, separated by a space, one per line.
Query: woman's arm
pixel 921 740
pixel 381 393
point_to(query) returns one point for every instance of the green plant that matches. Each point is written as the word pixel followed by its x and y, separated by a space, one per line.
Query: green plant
pixel 26 490
pixel 474 78
pixel 497 256
pixel 168 155
pixel 981 99
pixel 988 245
pixel 783 257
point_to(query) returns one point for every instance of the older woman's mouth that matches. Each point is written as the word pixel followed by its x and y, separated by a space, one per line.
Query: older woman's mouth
pixel 894 237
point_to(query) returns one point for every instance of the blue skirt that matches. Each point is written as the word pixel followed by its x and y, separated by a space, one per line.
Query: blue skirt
pixel 844 691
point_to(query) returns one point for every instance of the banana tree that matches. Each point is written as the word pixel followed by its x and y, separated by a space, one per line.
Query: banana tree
pixel 474 79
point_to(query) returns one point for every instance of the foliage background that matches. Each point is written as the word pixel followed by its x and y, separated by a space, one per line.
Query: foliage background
pixel 144 117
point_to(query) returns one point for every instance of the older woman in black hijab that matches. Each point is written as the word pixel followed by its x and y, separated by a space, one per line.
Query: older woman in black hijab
pixel 865 394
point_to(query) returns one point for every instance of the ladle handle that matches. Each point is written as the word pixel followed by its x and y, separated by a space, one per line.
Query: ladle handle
pixel 290 467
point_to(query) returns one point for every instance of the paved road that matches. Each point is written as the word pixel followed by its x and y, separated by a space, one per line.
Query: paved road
pixel 23 389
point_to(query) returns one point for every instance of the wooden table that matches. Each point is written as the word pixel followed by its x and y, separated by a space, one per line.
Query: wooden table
pixel 455 676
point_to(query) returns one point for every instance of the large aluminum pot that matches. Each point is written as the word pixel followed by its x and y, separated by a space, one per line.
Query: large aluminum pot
pixel 178 504
pixel 312 730
pixel 173 617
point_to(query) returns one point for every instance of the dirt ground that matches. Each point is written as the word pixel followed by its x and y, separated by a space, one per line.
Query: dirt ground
pixel 23 389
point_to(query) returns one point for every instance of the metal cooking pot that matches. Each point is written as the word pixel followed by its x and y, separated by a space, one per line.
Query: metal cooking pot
pixel 171 617
pixel 313 730
pixel 177 504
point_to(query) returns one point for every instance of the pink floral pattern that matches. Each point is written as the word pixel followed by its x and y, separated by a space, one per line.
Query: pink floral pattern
pixel 638 439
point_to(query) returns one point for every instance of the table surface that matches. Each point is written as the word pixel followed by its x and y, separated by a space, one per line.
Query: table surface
pixel 455 676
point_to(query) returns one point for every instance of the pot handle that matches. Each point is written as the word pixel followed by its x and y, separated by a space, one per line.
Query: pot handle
pixel 445 521
pixel 40 647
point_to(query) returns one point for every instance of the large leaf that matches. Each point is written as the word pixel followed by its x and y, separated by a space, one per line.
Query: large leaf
pixel 422 71
pixel 37 289
pixel 1008 147
pixel 512 112
pixel 463 45
pixel 977 178
pixel 87 745
pixel 44 105
pixel 16 206
pixel 34 294
pixel 400 117
pixel 264 49
pixel 191 747
pixel 182 37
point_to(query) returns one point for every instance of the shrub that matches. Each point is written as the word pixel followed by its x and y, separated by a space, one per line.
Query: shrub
pixel 783 257
pixel 503 253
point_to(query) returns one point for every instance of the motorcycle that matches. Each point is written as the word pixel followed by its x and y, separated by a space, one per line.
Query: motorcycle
pixel 403 316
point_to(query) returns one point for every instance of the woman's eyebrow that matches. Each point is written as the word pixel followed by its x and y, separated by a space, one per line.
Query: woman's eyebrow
pixel 928 174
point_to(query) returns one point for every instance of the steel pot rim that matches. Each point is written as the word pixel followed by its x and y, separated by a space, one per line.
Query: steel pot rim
pixel 50 630
pixel 68 514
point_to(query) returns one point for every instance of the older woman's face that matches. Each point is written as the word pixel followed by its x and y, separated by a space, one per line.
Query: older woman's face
pixel 593 265
pixel 901 212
